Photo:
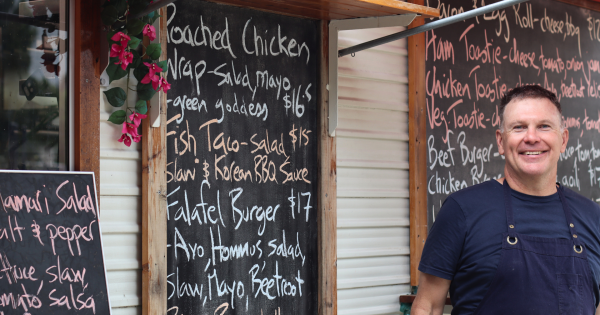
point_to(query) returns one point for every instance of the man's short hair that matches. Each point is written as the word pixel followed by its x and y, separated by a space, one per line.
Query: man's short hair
pixel 528 91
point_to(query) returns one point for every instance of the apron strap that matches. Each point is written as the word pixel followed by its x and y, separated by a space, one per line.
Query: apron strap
pixel 568 215
pixel 511 221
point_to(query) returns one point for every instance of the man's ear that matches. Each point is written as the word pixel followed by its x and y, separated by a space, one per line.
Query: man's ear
pixel 500 142
pixel 565 140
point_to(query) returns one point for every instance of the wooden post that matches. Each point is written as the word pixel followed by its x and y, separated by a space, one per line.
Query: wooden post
pixel 417 134
pixel 86 87
pixel 154 203
pixel 327 219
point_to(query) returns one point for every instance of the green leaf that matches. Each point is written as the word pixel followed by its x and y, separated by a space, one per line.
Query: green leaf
pixel 137 60
pixel 109 15
pixel 141 107
pixel 136 7
pixel 118 117
pixel 116 96
pixel 135 26
pixel 153 51
pixel 109 35
pixel 141 86
pixel 162 65
pixel 134 42
pixel 120 5
pixel 154 17
pixel 115 72
pixel 146 94
pixel 140 71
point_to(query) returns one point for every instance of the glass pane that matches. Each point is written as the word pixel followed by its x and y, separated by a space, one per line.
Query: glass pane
pixel 33 85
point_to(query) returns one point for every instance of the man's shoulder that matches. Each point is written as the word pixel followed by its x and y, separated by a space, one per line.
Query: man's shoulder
pixel 581 203
pixel 477 193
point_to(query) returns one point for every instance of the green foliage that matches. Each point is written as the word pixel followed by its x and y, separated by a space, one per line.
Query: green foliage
pixel 153 51
pixel 116 96
pixel 137 61
pixel 118 117
pixel 134 42
pixel 114 71
pixel 109 15
pixel 117 14
pixel 162 65
pixel 120 5
pixel 141 107
pixel 135 26
pixel 146 94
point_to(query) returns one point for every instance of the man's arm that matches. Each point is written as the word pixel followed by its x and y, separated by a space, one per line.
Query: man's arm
pixel 431 295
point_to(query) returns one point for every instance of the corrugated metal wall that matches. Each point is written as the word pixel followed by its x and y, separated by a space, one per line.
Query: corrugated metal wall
pixel 372 168
pixel 120 211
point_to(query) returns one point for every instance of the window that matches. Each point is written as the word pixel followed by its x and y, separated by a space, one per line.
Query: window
pixel 34 85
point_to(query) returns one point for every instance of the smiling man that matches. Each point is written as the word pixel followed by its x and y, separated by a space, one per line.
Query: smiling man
pixel 521 244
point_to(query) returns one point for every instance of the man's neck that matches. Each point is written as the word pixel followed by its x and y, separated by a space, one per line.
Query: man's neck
pixel 534 186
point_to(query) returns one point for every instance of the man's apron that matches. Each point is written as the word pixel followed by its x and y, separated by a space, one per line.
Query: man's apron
pixel 538 275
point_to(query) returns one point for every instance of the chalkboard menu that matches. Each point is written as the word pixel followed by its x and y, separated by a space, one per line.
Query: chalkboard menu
pixel 471 64
pixel 242 161
pixel 50 245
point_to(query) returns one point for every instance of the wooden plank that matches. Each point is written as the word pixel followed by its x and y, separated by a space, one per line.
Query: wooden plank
pixel 417 149
pixel 393 7
pixel 327 203
pixel 334 9
pixel 590 5
pixel 86 88
pixel 284 9
pixel 154 202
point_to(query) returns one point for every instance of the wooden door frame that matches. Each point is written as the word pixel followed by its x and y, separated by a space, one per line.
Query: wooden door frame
pixel 86 87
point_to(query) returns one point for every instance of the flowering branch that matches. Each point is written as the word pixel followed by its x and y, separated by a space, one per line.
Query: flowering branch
pixel 126 54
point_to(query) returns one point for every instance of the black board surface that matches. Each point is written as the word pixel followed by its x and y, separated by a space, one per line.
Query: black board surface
pixel 50 245
pixel 472 63
pixel 241 161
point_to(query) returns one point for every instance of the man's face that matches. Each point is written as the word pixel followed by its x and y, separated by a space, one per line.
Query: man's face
pixel 532 140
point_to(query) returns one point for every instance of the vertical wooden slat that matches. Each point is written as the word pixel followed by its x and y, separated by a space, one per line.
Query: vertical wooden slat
pixel 86 87
pixel 417 133
pixel 327 220
pixel 154 203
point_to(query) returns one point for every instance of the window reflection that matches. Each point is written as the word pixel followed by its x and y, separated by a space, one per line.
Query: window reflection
pixel 33 85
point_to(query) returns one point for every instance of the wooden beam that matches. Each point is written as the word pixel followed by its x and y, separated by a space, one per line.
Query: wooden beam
pixel 327 203
pixel 154 202
pixel 334 9
pixel 403 7
pixel 417 134
pixel 86 89
pixel 590 5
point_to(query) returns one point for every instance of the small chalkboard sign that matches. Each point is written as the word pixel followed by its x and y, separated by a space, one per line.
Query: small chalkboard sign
pixel 51 258
pixel 471 64
pixel 242 161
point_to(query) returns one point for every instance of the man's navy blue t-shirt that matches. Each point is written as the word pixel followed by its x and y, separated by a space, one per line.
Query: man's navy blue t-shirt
pixel 465 242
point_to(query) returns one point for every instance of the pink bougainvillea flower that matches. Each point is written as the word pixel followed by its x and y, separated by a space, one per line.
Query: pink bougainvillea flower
pixel 150 31
pixel 155 79
pixel 164 85
pixel 153 68
pixel 116 50
pixel 125 139
pixel 152 76
pixel 130 129
pixel 137 138
pixel 137 118
pixel 121 37
pixel 125 59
